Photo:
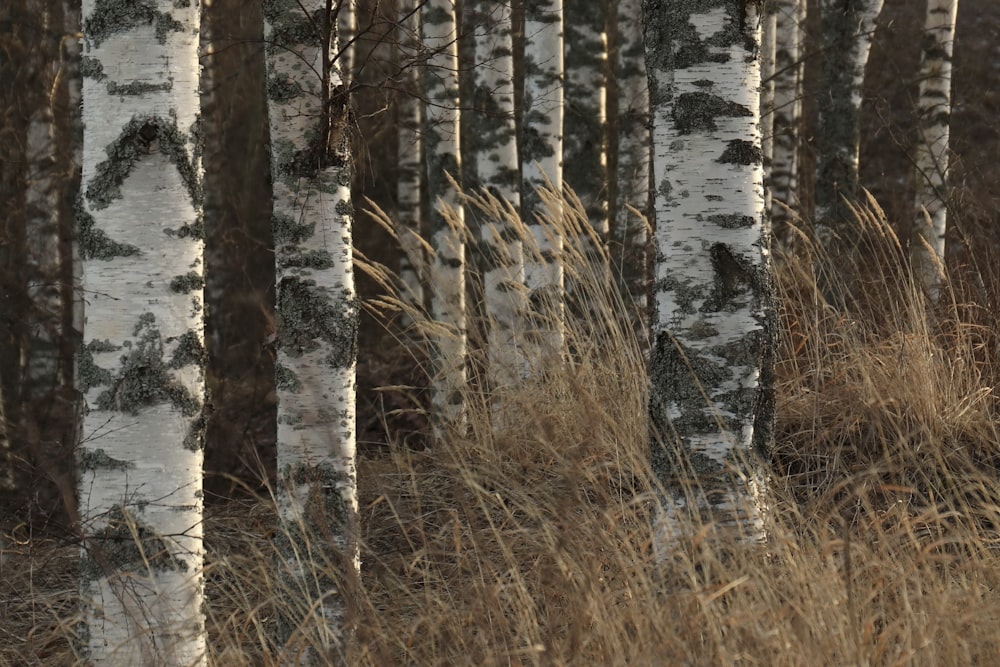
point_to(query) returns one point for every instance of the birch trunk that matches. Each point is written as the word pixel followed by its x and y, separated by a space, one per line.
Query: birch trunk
pixel 790 19
pixel 711 396
pixel 141 369
pixel 317 317
pixel 494 149
pixel 585 118
pixel 409 183
pixel 768 51
pixel 931 162
pixel 347 32
pixel 847 32
pixel 541 166
pixel 632 173
pixel 447 222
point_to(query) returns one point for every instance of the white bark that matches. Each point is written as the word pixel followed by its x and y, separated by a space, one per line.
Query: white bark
pixel 317 324
pixel 541 165
pixel 447 223
pixel 931 161
pixel 347 31
pixel 141 370
pixel 790 19
pixel 495 152
pixel 712 329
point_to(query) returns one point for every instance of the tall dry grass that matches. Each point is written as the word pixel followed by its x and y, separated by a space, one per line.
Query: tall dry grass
pixel 527 541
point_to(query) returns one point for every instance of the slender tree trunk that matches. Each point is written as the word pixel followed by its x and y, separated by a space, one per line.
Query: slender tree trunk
pixel 633 162
pixel 711 397
pixel 931 161
pixel 447 222
pixel 317 315
pixel 768 46
pixel 585 118
pixel 847 27
pixel 494 147
pixel 790 19
pixel 141 369
pixel 409 183
pixel 347 32
pixel 541 166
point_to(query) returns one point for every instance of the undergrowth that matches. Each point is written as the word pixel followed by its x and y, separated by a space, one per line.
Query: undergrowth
pixel 526 540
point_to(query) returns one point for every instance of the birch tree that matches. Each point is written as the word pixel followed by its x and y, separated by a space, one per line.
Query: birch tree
pixel 711 396
pixel 494 149
pixel 141 368
pixel 768 47
pixel 633 158
pixel 585 117
pixel 847 29
pixel 447 226
pixel 931 161
pixel 789 19
pixel 541 165
pixel 317 324
pixel 409 182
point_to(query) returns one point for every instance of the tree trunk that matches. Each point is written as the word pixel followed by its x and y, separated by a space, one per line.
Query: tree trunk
pixel 768 46
pixel 447 221
pixel 409 183
pixel 541 166
pixel 790 19
pixel 931 162
pixel 633 163
pixel 494 148
pixel 847 29
pixel 711 397
pixel 317 326
pixel 141 369
pixel 585 117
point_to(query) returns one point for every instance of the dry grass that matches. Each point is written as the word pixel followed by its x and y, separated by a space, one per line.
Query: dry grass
pixel 530 544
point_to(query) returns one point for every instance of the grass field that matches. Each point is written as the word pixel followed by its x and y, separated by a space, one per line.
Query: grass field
pixel 531 544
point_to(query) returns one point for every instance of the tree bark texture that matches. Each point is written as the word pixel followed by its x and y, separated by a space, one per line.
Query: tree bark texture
pixel 317 325
pixel 141 367
pixel 713 330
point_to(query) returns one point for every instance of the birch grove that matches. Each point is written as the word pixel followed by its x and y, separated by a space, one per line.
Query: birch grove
pixel 713 328
pixel 141 366
pixel 317 324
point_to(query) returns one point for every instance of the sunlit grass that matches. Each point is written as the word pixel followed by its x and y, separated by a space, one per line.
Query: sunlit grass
pixel 527 540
